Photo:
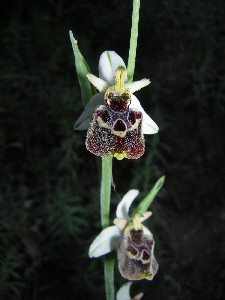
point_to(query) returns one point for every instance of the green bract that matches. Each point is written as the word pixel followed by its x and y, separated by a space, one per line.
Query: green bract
pixel 82 68
pixel 146 202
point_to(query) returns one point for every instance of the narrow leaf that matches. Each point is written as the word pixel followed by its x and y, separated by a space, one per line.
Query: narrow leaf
pixel 146 202
pixel 82 68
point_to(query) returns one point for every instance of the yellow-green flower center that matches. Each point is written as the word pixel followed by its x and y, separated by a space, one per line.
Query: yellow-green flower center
pixel 119 87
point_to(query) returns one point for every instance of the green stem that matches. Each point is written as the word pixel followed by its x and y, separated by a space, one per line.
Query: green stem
pixel 109 277
pixel 133 40
pixel 106 183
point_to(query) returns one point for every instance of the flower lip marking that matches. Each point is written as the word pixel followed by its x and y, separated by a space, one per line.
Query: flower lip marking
pixel 119 126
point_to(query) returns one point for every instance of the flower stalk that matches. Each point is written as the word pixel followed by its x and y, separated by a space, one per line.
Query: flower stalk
pixel 106 180
pixel 133 40
pixel 106 183
pixel 109 263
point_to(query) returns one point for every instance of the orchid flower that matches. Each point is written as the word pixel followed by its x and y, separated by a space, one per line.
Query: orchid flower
pixel 115 119
pixel 108 64
pixel 132 240
pixel 124 293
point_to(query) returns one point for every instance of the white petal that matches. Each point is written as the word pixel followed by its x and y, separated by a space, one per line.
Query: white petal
pixel 122 211
pixel 108 63
pixel 137 85
pixel 105 242
pixel 120 223
pixel 124 292
pixel 99 83
pixel 149 126
pixel 145 216
pixel 138 297
pixel 147 232
pixel 84 120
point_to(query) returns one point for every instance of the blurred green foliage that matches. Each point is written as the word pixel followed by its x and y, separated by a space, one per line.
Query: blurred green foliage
pixel 49 210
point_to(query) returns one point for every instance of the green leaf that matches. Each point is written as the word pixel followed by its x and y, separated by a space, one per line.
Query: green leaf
pixel 82 68
pixel 146 202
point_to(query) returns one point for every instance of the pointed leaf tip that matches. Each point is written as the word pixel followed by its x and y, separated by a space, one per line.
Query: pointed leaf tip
pixel 82 70
pixel 73 40
pixel 147 201
pixel 160 182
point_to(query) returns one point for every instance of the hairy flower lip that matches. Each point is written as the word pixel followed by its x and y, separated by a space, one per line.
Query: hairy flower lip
pixel 108 63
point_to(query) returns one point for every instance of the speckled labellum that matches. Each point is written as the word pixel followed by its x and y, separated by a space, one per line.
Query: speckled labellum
pixel 115 128
pixel 135 255
pixel 133 241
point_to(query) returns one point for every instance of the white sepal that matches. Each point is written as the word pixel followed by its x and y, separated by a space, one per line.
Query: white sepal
pixel 149 126
pixel 105 242
pixel 147 232
pixel 108 63
pixel 122 211
pixel 124 292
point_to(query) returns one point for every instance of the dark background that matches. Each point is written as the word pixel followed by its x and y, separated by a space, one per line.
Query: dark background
pixel 49 193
